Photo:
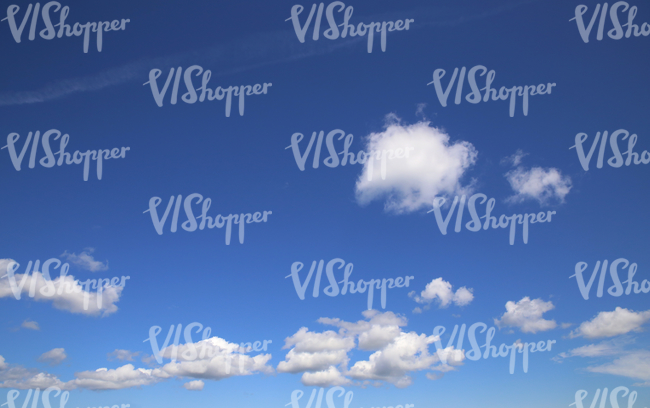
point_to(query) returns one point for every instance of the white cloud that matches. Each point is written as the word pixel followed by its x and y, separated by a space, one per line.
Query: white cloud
pixel 64 292
pixel 3 365
pixel 633 365
pixel 85 260
pixel 196 385
pixel 441 291
pixel 53 357
pixel 434 166
pixel 604 348
pixel 527 315
pixel 515 159
pixel 30 324
pixel 542 185
pixel 396 354
pixel 126 376
pixel 609 324
pixel 122 355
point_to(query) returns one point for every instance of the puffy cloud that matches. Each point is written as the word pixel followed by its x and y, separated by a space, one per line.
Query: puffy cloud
pixel 527 315
pixel 3 365
pixel 126 376
pixel 441 291
pixel 30 324
pixel 542 185
pixel 434 166
pixel 633 365
pixel 85 260
pixel 396 353
pixel 609 324
pixel 325 378
pixel 64 292
pixel 122 355
pixel 196 385
pixel 53 357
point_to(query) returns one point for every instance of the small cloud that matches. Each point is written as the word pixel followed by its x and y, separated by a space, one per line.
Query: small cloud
pixel 30 324
pixel 515 159
pixel 85 260
pixel 53 357
pixel 417 310
pixel 194 385
pixel 527 315
pixel 442 292
pixel 420 110
pixel 122 355
pixel 541 185
pixel 566 325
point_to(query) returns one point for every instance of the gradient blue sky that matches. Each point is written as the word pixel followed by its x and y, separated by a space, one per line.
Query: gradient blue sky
pixel 240 162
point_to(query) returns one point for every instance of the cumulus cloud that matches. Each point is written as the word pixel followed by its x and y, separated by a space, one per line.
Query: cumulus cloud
pixel 434 166
pixel 539 184
pixel 64 292
pixel 442 292
pixel 196 385
pixel 85 260
pixel 527 315
pixel 610 324
pixel 53 357
pixel 126 376
pixel 323 357
pixel 122 355
pixel 30 324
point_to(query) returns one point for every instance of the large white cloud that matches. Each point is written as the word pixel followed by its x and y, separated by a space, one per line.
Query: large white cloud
pixel 434 166
pixel 85 260
pixel 396 354
pixel 53 357
pixel 441 291
pixel 542 185
pixel 64 292
pixel 527 315
pixel 610 324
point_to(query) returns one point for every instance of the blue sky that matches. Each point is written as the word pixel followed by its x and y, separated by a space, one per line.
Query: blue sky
pixel 241 163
